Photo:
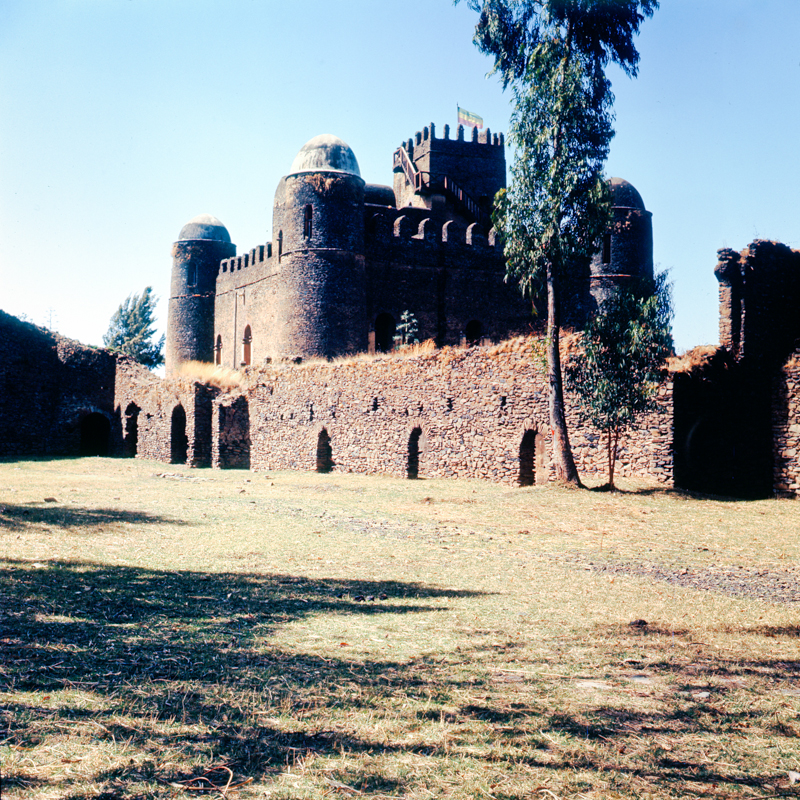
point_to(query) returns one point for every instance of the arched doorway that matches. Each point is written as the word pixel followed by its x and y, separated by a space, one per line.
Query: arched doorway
pixel 527 459
pixel 130 441
pixel 324 452
pixel 473 332
pixel 95 435
pixel 412 466
pixel 246 340
pixel 384 333
pixel 179 442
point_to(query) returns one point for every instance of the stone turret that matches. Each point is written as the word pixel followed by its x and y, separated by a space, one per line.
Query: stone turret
pixel 627 248
pixel 319 224
pixel 203 242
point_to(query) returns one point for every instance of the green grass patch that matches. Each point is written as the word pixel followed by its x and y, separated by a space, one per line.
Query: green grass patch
pixel 171 632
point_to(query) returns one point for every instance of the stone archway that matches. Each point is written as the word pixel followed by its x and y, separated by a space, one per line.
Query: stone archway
pixel 179 442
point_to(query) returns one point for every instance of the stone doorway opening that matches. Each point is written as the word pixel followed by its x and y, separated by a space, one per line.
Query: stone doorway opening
pixel 527 459
pixel 179 442
pixel 412 465
pixel 130 442
pixel 324 452
pixel 95 435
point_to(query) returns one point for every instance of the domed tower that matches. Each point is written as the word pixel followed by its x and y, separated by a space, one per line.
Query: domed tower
pixel 627 250
pixel 318 226
pixel 203 242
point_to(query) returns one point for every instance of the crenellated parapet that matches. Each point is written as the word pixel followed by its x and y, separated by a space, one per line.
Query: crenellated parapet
pixel 467 172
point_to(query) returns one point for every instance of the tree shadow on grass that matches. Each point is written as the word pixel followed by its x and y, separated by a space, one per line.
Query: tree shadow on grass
pixel 182 660
pixel 19 517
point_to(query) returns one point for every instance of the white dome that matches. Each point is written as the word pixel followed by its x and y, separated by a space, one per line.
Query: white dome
pixel 325 153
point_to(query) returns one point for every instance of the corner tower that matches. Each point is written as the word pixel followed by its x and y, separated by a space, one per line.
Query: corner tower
pixel 627 248
pixel 318 224
pixel 203 242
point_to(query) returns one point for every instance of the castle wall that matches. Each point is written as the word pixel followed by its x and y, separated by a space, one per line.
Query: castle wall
pixel 445 274
pixel 472 407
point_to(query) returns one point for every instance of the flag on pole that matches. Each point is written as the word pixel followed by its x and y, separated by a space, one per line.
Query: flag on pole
pixel 468 118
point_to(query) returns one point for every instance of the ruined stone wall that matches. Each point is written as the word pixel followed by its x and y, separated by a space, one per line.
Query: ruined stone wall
pixel 480 412
pixel 48 386
pixel 786 428
pixel 759 297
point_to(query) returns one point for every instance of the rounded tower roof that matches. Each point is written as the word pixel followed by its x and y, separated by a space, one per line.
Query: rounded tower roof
pixel 625 194
pixel 204 226
pixel 325 153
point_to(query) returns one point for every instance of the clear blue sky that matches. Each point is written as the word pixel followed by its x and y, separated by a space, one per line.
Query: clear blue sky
pixel 120 120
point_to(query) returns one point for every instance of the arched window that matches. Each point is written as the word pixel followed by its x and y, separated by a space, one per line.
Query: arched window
pixel 412 468
pixel 324 452
pixel 473 332
pixel 218 351
pixel 280 244
pixel 606 248
pixel 308 221
pixel 191 275
pixel 384 333
pixel 248 337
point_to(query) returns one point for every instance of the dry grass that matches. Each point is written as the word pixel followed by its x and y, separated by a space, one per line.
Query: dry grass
pixel 696 358
pixel 297 635
pixel 223 378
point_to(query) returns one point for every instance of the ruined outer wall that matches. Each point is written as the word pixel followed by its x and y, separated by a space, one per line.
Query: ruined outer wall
pixel 786 428
pixel 472 407
pixel 48 384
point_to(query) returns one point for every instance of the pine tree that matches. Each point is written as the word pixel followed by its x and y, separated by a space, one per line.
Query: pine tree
pixel 620 360
pixel 553 54
pixel 132 329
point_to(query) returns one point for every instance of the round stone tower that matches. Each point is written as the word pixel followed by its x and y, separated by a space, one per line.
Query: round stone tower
pixel 318 226
pixel 627 248
pixel 203 242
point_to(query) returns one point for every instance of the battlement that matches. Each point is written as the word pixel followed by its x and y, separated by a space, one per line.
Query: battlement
pixel 426 140
pixel 258 255
pixel 413 229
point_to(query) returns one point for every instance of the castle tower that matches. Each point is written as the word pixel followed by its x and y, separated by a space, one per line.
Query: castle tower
pixel 465 173
pixel 203 242
pixel 318 225
pixel 627 249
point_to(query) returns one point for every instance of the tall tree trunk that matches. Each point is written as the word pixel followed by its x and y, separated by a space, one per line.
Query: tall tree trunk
pixel 562 452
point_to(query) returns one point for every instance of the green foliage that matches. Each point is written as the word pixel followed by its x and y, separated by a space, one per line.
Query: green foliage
pixel 132 328
pixel 407 330
pixel 621 359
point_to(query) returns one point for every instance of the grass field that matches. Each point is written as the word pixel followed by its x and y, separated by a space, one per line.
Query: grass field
pixel 169 632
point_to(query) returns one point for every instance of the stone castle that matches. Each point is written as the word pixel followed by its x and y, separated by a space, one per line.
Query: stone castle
pixel 345 261
pixel 347 258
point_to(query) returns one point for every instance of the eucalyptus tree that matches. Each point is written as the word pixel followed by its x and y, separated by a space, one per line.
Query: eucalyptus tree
pixel 553 55
pixel 619 362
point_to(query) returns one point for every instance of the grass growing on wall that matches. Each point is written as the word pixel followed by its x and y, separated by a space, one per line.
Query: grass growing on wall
pixel 172 632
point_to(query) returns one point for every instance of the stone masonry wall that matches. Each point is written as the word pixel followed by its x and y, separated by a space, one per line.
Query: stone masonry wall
pixel 786 428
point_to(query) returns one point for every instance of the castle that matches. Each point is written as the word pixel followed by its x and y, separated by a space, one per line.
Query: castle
pixel 347 258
